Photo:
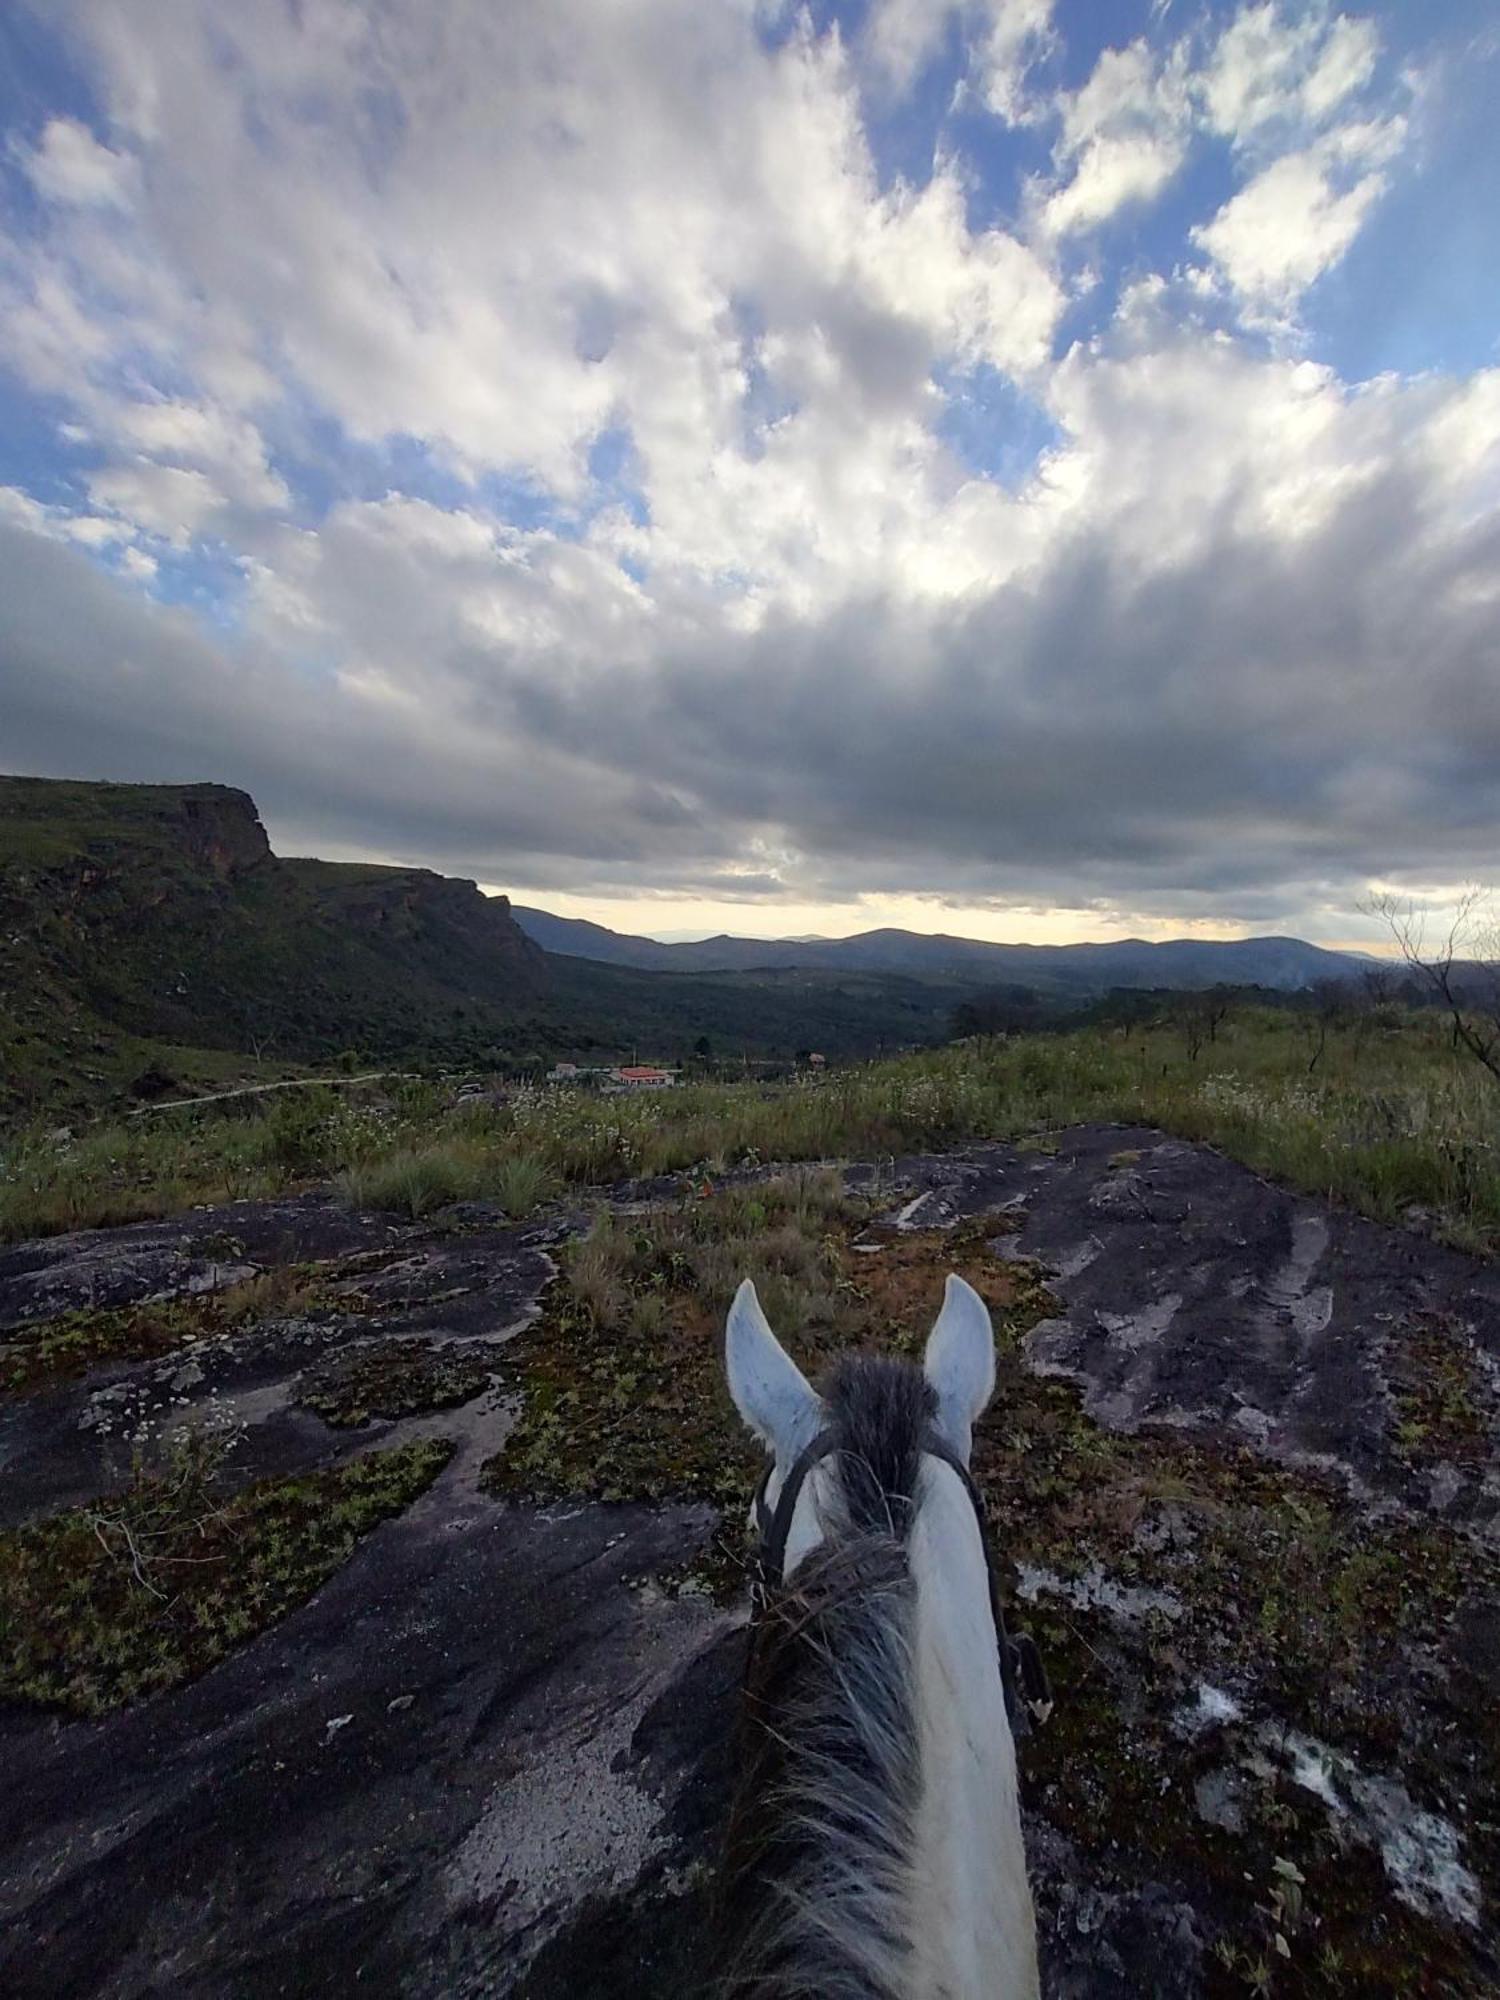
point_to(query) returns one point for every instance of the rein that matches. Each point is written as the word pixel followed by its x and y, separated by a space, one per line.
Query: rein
pixel 1023 1678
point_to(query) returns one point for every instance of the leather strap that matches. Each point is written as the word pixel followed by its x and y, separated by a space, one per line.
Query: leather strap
pixel 775 1526
pixel 1023 1678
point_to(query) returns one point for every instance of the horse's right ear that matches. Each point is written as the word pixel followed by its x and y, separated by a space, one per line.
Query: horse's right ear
pixel 960 1362
pixel 770 1391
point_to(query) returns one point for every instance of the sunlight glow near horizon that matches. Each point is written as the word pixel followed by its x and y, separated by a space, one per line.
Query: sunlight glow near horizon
pixel 680 921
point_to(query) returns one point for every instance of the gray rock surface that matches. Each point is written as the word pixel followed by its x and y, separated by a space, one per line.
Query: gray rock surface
pixel 489 1756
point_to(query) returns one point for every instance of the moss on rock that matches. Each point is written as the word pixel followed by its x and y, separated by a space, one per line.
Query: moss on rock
pixel 140 1591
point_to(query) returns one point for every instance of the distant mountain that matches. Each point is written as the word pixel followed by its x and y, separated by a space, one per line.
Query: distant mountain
pixel 145 927
pixel 1062 972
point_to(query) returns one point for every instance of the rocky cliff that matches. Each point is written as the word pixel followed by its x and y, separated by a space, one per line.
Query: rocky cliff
pixel 160 912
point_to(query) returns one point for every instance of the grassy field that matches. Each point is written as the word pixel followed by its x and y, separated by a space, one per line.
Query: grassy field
pixel 1382 1114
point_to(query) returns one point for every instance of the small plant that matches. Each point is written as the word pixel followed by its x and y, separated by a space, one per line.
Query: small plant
pixel 416 1180
pixel 648 1314
pixel 521 1183
pixel 393 1378
pixel 597 1269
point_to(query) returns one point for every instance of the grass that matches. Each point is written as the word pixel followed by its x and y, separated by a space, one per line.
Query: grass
pixel 622 1377
pixel 139 1592
pixel 622 1392
pixel 1393 1122
pixel 1434 1375
pixel 415 1180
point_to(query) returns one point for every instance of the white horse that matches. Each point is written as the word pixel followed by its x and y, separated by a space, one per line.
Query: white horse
pixel 875 1844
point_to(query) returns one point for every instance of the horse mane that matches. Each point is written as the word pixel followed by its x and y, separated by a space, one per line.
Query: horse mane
pixel 816 1870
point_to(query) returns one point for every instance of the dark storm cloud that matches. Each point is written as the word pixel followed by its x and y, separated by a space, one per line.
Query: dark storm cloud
pixel 1319 707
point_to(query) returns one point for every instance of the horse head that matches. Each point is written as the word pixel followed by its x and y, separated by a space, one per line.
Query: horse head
pixel 875 1840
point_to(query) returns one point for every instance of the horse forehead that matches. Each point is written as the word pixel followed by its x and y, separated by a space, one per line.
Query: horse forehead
pixel 821 1488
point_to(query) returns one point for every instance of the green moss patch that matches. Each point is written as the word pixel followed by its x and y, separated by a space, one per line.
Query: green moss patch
pixel 1275 1586
pixel 393 1378
pixel 104 1604
pixel 1440 1405
pixel 49 1352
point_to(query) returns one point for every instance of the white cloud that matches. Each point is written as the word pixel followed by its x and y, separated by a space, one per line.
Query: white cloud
pixel 1016 35
pixel 798 637
pixel 1004 40
pixel 162 500
pixel 901 36
pixel 208 439
pixel 136 564
pixel 569 224
pixel 1272 82
pixel 1273 66
pixel 61 524
pixel 1296 218
pixel 69 165
pixel 1124 136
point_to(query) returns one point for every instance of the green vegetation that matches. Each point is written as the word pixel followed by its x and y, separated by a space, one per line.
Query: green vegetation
pixel 1434 1376
pixel 416 1179
pixel 623 1396
pixel 44 1352
pixel 393 1378
pixel 136 916
pixel 1392 1121
pixel 142 1590
pixel 623 1393
pixel 151 943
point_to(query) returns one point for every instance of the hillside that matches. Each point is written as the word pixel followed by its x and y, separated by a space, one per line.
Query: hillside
pixel 133 915
pixel 149 929
pixel 1061 972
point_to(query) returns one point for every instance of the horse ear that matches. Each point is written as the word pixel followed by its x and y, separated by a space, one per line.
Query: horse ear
pixel 770 1391
pixel 960 1362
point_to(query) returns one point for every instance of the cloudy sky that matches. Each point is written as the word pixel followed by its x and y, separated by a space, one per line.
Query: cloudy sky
pixel 1024 467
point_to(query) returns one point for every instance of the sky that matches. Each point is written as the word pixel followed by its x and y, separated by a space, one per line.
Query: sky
pixel 1022 468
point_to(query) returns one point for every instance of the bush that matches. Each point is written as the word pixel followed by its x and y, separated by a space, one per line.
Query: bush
pixel 521 1182
pixel 416 1180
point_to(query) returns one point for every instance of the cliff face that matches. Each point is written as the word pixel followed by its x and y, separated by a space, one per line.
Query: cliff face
pixel 160 911
pixel 436 925
pixel 221 829
pixel 46 823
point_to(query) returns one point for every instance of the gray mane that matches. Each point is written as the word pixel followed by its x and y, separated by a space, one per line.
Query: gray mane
pixel 816 1874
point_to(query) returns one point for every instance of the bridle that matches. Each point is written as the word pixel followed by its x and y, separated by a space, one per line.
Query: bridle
pixel 1028 1695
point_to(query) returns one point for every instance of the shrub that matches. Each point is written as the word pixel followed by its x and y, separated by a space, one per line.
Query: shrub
pixel 416 1180
pixel 521 1182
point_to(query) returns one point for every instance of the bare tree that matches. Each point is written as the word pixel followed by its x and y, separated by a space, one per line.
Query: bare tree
pixel 1380 986
pixel 1462 974
pixel 1333 1003
pixel 1201 1015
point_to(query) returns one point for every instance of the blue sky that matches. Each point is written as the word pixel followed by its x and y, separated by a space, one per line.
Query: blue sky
pixel 1007 467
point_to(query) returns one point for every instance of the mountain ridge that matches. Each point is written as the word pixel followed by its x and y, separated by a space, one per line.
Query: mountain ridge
pixel 149 931
pixel 1079 971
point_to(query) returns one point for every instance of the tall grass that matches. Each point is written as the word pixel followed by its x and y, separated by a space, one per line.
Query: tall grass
pixel 1390 1120
pixel 778 1231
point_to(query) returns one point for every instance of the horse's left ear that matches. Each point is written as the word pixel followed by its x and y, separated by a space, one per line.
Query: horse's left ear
pixel 960 1362
pixel 770 1391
